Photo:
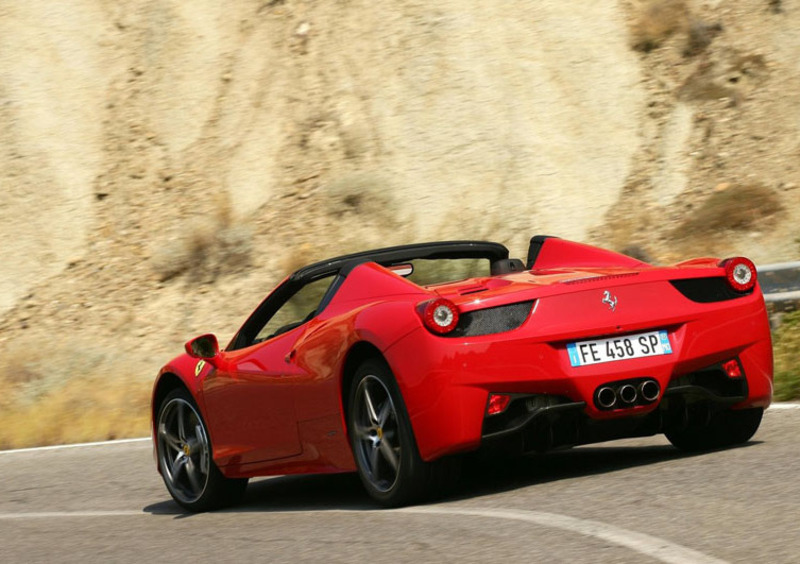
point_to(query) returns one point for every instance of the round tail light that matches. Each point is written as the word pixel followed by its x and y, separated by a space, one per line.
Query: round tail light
pixel 440 316
pixel 740 273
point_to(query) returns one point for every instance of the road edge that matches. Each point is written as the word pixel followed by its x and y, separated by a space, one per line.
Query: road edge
pixel 777 405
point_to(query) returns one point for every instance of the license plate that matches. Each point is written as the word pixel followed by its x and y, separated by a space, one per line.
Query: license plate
pixel 654 343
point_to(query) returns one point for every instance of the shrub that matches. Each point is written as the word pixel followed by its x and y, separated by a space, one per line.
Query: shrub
pixel 204 252
pixel 700 36
pixel 656 21
pixel 786 346
pixel 738 207
pixel 69 394
pixel 363 194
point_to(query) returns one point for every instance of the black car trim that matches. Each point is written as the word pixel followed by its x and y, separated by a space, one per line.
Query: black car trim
pixel 707 290
pixel 330 292
pixel 388 256
pixel 537 414
pixel 705 393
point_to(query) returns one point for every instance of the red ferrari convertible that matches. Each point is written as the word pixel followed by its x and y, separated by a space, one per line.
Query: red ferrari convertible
pixel 393 362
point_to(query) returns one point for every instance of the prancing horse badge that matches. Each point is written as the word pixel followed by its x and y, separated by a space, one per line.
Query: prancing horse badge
pixel 610 300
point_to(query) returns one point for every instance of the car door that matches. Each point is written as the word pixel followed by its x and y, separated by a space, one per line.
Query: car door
pixel 250 398
pixel 250 404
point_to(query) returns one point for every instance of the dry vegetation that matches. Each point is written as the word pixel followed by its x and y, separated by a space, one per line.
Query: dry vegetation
pixel 730 208
pixel 658 20
pixel 205 249
pixel 66 395
pixel 786 342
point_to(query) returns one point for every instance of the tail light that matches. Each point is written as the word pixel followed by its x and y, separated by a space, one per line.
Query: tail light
pixel 440 316
pixel 740 273
pixel 497 403
pixel 732 368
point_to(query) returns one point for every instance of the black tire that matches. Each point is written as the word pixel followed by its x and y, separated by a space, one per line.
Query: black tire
pixel 184 457
pixel 726 428
pixel 383 444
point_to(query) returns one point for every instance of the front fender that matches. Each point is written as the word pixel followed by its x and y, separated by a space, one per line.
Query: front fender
pixel 182 370
pixel 190 371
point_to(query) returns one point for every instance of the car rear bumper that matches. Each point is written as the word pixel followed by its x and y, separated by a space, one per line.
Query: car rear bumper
pixel 536 423
pixel 446 382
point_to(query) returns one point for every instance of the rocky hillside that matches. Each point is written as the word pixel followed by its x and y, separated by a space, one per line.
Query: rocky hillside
pixel 163 164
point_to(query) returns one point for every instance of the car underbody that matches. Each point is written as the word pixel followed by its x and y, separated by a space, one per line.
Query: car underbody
pixel 541 422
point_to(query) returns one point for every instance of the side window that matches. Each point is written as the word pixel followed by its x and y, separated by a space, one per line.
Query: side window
pixel 447 270
pixel 296 310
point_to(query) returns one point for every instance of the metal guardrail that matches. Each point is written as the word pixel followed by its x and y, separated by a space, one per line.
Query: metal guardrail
pixel 780 283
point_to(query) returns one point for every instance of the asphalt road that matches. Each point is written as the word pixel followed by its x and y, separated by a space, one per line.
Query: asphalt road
pixel 628 501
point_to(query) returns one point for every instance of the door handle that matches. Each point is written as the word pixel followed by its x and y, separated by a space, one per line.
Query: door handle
pixel 289 358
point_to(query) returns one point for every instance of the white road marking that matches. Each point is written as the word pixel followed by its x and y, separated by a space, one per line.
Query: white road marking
pixel 76 445
pixel 67 514
pixel 784 406
pixel 648 545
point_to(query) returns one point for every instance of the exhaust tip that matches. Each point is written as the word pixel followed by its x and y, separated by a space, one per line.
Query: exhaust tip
pixel 606 397
pixel 650 390
pixel 627 393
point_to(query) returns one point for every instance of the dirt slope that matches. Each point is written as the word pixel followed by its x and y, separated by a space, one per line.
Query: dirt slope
pixel 164 163
pixel 130 127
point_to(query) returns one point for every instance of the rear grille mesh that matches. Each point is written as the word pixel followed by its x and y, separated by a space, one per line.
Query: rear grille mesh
pixel 707 290
pixel 492 320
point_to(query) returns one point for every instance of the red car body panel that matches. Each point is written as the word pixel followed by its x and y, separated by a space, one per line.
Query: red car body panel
pixel 278 406
pixel 447 396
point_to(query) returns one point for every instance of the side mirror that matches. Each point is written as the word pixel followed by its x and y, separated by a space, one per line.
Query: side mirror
pixel 204 346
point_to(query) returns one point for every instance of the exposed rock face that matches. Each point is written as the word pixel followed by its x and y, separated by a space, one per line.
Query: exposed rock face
pixel 121 123
pixel 52 94
pixel 164 163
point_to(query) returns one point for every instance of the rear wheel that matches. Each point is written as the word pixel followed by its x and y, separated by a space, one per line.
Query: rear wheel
pixel 184 457
pixel 385 451
pixel 726 428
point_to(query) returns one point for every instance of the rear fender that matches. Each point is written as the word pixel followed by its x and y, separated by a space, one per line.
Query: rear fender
pixel 385 324
pixel 379 326
pixel 373 329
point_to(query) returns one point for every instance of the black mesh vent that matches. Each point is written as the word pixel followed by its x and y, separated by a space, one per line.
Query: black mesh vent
pixel 492 320
pixel 707 290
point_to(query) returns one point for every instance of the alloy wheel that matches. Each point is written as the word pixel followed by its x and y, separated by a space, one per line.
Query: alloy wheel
pixel 184 453
pixel 377 433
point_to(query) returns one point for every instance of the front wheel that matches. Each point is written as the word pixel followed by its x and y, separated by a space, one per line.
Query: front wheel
pixel 726 428
pixel 385 451
pixel 184 457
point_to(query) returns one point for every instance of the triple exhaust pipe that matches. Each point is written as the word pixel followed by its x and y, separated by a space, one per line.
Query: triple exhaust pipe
pixel 627 394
